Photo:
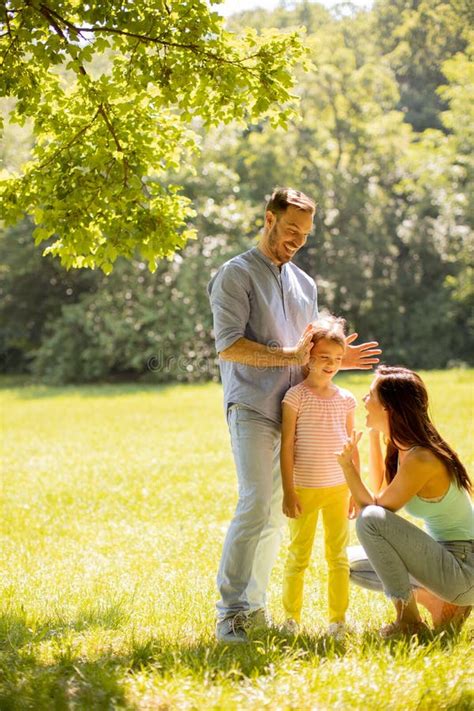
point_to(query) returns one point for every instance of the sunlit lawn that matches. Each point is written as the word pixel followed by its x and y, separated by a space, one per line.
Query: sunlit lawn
pixel 115 504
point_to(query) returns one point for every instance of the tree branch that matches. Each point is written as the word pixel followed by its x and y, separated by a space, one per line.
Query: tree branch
pixel 53 13
pixel 48 14
pixel 54 18
pixel 165 43
pixel 69 143
pixel 14 40
pixel 7 19
pixel 103 112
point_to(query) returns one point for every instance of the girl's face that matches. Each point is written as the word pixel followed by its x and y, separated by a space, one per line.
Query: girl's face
pixel 377 416
pixel 325 358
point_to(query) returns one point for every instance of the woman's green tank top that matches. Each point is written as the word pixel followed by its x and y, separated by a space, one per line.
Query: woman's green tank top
pixel 450 519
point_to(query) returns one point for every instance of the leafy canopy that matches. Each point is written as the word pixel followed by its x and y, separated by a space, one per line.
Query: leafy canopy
pixel 116 93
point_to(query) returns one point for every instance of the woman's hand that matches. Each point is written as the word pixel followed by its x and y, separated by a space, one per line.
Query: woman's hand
pixel 362 496
pixel 346 456
pixel 291 504
pixel 362 357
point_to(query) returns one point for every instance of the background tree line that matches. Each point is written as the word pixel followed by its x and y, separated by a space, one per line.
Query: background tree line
pixel 383 141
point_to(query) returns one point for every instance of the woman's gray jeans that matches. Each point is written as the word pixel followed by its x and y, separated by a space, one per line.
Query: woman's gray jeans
pixel 397 556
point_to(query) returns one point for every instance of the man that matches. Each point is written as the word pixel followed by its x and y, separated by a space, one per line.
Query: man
pixel 263 306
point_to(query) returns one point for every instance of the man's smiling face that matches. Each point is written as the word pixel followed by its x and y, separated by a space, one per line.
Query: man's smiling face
pixel 287 233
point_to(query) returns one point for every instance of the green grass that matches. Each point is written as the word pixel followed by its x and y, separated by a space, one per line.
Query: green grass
pixel 115 504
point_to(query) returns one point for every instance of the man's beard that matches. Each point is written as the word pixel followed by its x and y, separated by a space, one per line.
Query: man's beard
pixel 273 238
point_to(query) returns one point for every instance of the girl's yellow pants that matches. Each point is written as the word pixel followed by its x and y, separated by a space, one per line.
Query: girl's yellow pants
pixel 333 502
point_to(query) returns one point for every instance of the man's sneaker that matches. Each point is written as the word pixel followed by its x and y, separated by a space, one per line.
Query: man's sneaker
pixel 258 620
pixel 232 628
pixel 337 630
pixel 290 626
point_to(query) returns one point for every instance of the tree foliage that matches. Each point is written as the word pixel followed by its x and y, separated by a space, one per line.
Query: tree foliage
pixel 80 325
pixel 392 245
pixel 392 230
pixel 417 36
pixel 110 134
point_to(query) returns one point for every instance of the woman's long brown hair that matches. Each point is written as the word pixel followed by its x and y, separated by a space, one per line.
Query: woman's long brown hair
pixel 403 394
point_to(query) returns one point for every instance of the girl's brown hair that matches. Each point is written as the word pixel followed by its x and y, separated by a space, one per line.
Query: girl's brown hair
pixel 405 398
pixel 329 327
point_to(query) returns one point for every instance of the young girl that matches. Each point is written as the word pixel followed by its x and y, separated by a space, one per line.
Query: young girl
pixel 317 419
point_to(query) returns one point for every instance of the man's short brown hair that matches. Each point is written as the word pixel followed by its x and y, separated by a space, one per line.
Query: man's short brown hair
pixel 282 198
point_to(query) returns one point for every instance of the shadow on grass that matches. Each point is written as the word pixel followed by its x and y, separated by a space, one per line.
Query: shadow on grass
pixel 398 646
pixel 50 665
pixel 464 702
pixel 60 678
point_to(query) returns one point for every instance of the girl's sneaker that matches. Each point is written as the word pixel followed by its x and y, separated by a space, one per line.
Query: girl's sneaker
pixel 290 626
pixel 337 630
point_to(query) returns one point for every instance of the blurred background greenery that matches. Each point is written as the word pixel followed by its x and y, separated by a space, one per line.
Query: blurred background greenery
pixel 384 143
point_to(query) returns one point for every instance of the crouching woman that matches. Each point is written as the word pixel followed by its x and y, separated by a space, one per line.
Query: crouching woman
pixel 425 476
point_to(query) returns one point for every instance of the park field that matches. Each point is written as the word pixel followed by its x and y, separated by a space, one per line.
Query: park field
pixel 115 502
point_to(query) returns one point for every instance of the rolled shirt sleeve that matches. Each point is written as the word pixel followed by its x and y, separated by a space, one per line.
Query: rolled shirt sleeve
pixel 230 305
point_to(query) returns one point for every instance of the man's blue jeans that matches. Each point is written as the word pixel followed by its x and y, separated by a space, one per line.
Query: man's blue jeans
pixel 254 536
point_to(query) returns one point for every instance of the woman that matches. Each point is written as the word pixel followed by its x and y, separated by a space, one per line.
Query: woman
pixel 423 474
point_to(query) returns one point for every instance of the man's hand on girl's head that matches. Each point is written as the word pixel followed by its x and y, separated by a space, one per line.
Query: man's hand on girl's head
pixel 303 348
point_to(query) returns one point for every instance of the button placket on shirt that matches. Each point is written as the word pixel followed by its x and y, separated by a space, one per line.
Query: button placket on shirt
pixel 284 285
pixel 278 274
pixel 282 292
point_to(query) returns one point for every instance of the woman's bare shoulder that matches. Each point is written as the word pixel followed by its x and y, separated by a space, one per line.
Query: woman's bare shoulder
pixel 426 458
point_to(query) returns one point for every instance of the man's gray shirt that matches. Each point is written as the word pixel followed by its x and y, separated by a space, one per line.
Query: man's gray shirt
pixel 253 298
